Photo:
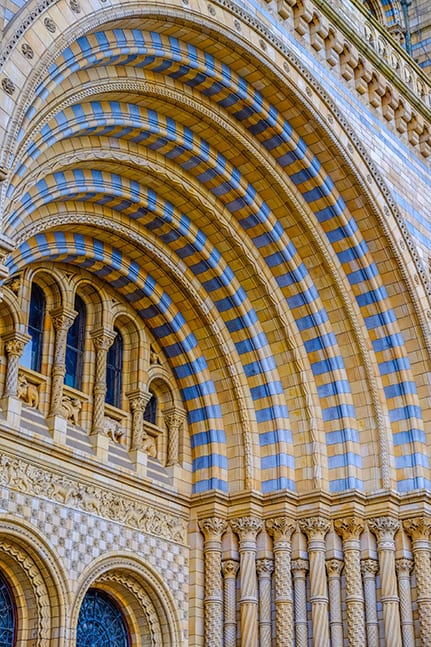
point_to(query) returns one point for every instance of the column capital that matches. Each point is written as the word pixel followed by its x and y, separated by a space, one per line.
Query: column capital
pixel 384 528
pixel 418 528
pixel 404 565
pixel 280 528
pixel 369 566
pixel 230 568
pixel 138 399
pixel 102 338
pixel 334 567
pixel 213 528
pixel 264 566
pixel 349 527
pixel 14 343
pixel 315 527
pixel 246 528
pixel 300 565
pixel 174 417
pixel 62 318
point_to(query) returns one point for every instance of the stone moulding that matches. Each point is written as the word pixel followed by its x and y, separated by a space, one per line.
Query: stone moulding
pixel 22 476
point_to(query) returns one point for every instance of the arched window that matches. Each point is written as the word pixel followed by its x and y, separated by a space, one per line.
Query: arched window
pixel 114 370
pixel 75 347
pixel 150 413
pixel 101 622
pixel 7 615
pixel 32 356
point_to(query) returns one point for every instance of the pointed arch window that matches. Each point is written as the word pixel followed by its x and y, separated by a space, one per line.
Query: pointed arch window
pixel 114 371
pixel 101 622
pixel 32 356
pixel 75 347
pixel 7 615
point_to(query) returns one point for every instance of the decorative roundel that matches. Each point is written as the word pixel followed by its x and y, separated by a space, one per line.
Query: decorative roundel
pixel 7 615
pixel 100 622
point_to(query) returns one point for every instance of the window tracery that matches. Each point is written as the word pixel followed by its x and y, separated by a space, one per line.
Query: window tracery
pixel 101 622
pixel 7 615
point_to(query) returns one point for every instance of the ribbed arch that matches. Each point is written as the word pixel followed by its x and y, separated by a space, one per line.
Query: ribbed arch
pixel 183 62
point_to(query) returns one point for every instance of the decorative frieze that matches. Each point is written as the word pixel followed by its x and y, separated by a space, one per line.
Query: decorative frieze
pixel 19 475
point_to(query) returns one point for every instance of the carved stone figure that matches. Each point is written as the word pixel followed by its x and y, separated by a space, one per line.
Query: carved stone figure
pixel 113 429
pixel 27 392
pixel 70 409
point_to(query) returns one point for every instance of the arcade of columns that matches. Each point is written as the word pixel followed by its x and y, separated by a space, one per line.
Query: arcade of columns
pixel 314 582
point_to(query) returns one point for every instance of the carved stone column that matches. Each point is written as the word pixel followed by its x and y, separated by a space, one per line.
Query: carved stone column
pixel 299 570
pixel 138 400
pixel 281 529
pixel 174 420
pixel 62 319
pixel 102 340
pixel 403 567
pixel 264 569
pixel 316 528
pixel 14 347
pixel 213 602
pixel 247 529
pixel 230 569
pixel 350 530
pixel 419 530
pixel 334 568
pixel 369 568
pixel 385 528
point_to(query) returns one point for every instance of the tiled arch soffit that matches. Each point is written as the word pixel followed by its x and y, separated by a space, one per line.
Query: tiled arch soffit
pixel 309 190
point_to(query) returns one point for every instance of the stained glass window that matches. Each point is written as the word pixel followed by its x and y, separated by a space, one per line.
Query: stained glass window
pixel 100 622
pixel 7 615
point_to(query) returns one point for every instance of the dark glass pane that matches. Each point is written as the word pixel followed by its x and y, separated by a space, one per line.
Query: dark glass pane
pixel 75 347
pixel 100 622
pixel 35 326
pixel 114 370
pixel 150 413
pixel 7 615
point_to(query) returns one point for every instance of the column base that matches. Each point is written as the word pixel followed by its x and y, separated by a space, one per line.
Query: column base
pixel 100 443
pixel 139 459
pixel 11 407
pixel 57 426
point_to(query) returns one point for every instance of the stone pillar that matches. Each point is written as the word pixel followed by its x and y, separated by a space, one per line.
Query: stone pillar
pixel 62 319
pixel 419 530
pixel 174 420
pixel 299 570
pixel 334 568
pixel 264 570
pixel 316 528
pixel 281 529
pixel 385 528
pixel 247 529
pixel 230 569
pixel 14 347
pixel 138 400
pixel 403 567
pixel 369 568
pixel 102 341
pixel 350 530
pixel 213 602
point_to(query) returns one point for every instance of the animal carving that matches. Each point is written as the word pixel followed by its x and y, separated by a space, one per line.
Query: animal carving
pixel 70 409
pixel 27 392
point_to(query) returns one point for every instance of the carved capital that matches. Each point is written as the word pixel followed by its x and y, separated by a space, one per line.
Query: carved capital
pixel 62 318
pixel 103 339
pixel 280 528
pixel 14 343
pixel 174 418
pixel 139 399
pixel 384 528
pixel 418 528
pixel 246 528
pixel 369 566
pixel 230 568
pixel 404 566
pixel 314 527
pixel 334 567
pixel 349 528
pixel 299 565
pixel 213 528
pixel 264 567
